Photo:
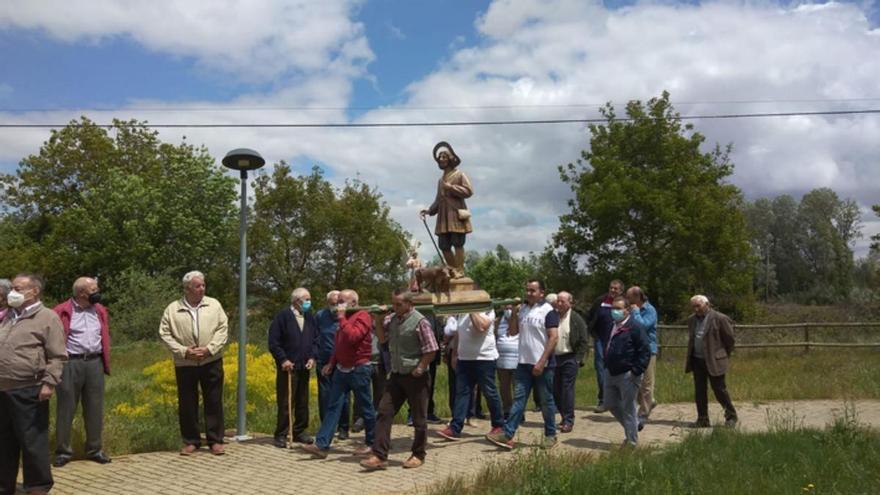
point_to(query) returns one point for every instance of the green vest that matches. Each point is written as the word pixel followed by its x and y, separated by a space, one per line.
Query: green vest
pixel 404 343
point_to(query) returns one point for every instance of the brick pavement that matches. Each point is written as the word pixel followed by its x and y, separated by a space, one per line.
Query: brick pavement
pixel 258 467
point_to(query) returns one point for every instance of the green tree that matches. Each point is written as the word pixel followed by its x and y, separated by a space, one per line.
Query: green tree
pixel 652 208
pixel 499 273
pixel 875 244
pixel 761 222
pixel 100 201
pixel 305 232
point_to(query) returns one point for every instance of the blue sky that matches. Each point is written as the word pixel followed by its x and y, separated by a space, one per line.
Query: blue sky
pixel 375 60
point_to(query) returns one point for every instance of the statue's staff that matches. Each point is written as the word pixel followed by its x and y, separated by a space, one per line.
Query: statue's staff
pixel 433 241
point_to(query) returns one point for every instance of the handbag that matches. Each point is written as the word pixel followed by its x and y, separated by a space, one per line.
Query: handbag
pixel 464 214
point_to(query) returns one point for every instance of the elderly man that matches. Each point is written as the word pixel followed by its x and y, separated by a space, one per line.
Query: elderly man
pixel 537 324
pixel 293 342
pixel 644 314
pixel 5 288
pixel 31 363
pixel 475 367
pixel 327 327
pixel 626 357
pixel 599 322
pixel 87 329
pixel 350 368
pixel 710 344
pixel 571 348
pixel 195 328
pixel 413 345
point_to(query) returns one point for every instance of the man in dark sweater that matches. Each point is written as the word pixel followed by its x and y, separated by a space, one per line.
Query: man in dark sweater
pixel 626 357
pixel 293 342
pixel 599 322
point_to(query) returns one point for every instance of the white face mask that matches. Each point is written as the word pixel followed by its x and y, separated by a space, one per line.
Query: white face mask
pixel 15 299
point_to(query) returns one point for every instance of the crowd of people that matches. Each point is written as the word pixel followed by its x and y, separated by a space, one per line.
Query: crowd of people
pixel 367 365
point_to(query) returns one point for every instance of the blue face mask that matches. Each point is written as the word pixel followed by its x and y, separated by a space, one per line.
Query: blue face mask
pixel 508 313
pixel 306 305
pixel 617 314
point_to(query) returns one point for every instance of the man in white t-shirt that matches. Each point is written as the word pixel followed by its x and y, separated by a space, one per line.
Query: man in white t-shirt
pixel 475 366
pixel 536 323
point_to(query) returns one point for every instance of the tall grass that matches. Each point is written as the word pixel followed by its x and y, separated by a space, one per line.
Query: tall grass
pixel 842 459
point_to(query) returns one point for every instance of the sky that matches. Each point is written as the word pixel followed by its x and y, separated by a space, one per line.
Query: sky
pixel 361 61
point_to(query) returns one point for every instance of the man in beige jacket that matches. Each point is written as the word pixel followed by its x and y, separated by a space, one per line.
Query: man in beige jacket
pixel 32 356
pixel 194 328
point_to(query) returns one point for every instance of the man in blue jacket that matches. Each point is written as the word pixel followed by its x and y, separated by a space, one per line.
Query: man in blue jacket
pixel 599 323
pixel 643 313
pixel 293 342
pixel 626 358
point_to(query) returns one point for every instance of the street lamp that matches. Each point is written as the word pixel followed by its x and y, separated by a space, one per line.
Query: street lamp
pixel 242 159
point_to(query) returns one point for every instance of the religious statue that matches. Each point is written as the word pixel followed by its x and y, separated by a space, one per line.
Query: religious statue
pixel 453 216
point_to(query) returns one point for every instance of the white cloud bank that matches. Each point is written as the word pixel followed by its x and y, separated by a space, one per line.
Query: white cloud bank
pixel 551 53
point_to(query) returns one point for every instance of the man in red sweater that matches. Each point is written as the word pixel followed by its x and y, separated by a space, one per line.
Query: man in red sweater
pixel 351 361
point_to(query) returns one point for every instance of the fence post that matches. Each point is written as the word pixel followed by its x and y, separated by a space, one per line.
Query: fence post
pixel 806 337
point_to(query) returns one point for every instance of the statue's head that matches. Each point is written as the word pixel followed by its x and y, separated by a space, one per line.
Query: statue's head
pixel 445 156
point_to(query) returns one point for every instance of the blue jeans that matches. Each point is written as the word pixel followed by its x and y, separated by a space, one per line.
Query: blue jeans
pixel 599 365
pixel 468 374
pixel 524 381
pixel 358 382
pixel 324 384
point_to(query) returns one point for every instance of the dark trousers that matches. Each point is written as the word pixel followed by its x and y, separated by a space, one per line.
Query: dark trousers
pixel 701 395
pixel 24 433
pixel 599 366
pixel 505 386
pixel 400 389
pixel 81 380
pixel 475 407
pixel 563 386
pixel 324 385
pixel 209 378
pixel 472 374
pixel 300 385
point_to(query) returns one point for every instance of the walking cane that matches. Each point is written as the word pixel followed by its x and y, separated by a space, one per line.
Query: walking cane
pixel 431 235
pixel 289 409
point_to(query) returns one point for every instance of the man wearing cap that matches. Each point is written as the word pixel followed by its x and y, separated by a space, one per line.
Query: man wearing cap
pixel 453 217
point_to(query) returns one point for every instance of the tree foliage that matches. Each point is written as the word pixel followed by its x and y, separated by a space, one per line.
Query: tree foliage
pixel 305 232
pixel 803 250
pixel 98 201
pixel 500 274
pixel 652 208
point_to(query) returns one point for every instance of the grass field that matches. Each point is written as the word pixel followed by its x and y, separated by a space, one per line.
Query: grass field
pixel 842 459
pixel 756 375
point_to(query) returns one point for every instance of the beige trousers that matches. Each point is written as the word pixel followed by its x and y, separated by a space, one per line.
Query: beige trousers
pixel 645 398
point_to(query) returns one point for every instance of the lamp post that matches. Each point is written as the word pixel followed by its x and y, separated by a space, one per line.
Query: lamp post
pixel 242 159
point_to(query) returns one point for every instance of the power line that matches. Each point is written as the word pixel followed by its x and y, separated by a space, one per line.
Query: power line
pixel 233 108
pixel 444 123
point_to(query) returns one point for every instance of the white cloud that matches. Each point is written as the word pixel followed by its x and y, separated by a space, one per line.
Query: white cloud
pixel 570 52
pixel 258 38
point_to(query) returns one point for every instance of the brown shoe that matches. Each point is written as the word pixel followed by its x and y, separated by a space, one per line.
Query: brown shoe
pixel 413 462
pixel 315 451
pixel 218 449
pixel 365 450
pixel 373 463
pixel 188 449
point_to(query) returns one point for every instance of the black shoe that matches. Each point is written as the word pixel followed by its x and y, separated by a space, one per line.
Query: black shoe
pixel 342 434
pixel 280 442
pixel 303 438
pixel 731 422
pixel 358 426
pixel 701 423
pixel 61 460
pixel 434 419
pixel 641 424
pixel 409 421
pixel 100 458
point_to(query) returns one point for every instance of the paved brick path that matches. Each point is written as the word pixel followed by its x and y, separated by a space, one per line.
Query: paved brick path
pixel 258 467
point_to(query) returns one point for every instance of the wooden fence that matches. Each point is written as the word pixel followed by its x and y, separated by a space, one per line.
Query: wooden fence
pixel 806 330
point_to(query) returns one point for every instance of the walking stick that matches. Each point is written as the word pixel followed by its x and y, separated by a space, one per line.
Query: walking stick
pixel 289 409
pixel 434 242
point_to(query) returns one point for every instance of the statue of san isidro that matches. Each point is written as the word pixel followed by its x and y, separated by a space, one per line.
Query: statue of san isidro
pixel 453 216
